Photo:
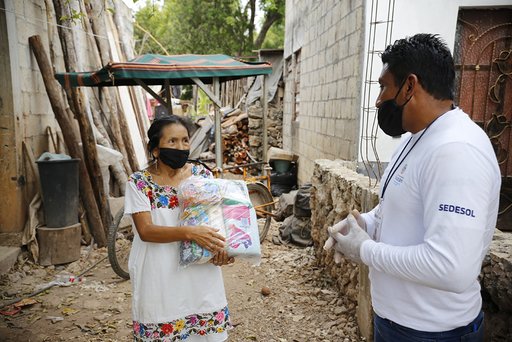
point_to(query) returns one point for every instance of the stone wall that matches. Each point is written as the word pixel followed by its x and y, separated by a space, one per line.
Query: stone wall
pixel 323 58
pixel 337 189
pixel 496 282
pixel 274 127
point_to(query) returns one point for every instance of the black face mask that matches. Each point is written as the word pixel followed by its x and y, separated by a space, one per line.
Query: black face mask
pixel 390 115
pixel 173 158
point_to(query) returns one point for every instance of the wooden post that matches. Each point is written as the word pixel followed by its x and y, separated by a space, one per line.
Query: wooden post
pixel 168 96
pixel 91 157
pixel 98 26
pixel 219 160
pixel 52 88
pixel 264 104
pixel 125 133
pixel 115 126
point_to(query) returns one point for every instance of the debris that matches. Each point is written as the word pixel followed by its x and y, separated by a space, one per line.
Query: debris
pixel 97 286
pixel 54 319
pixel 86 329
pixel 265 291
pixel 10 311
pixel 26 302
pixel 69 311
pixel 297 318
pixel 67 279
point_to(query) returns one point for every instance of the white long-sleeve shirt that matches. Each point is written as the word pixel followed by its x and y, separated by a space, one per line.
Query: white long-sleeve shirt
pixel 434 226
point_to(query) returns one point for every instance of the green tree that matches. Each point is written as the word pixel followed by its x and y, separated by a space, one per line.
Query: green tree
pixel 273 18
pixel 275 36
pixel 206 27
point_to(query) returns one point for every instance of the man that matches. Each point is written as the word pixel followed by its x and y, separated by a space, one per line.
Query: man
pixel 425 241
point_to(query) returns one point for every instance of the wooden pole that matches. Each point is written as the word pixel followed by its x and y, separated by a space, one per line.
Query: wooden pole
pixel 52 89
pixel 91 157
pixel 125 133
pixel 265 117
pixel 218 136
pixel 108 95
pixel 98 26
pixel 79 108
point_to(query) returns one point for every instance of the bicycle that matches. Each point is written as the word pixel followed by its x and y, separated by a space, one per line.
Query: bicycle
pixel 120 235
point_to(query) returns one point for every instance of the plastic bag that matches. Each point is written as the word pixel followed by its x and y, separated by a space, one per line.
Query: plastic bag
pixel 222 204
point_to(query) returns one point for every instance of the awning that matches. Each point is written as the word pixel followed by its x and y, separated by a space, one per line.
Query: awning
pixel 146 70
pixel 159 69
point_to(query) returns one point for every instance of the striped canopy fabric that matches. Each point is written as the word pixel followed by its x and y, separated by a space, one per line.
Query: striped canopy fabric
pixel 155 69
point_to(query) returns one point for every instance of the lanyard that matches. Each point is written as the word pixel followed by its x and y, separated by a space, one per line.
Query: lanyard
pixel 395 166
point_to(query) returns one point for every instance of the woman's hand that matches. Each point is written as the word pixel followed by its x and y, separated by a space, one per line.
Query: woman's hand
pixel 207 237
pixel 222 258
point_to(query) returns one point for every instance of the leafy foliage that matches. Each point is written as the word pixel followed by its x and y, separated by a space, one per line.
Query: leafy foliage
pixel 208 27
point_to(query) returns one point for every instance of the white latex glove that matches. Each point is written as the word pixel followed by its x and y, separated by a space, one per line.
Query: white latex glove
pixel 342 227
pixel 350 244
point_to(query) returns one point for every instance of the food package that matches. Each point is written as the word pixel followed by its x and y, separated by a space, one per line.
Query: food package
pixel 222 204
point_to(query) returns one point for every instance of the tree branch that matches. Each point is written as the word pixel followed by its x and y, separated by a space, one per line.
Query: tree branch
pixel 270 19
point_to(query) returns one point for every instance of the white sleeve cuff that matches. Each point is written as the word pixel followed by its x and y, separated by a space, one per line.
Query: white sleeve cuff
pixel 366 251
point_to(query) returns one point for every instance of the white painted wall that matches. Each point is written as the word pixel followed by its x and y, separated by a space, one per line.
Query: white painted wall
pixel 410 17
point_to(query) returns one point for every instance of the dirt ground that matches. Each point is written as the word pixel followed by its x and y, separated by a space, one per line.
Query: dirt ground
pixel 303 304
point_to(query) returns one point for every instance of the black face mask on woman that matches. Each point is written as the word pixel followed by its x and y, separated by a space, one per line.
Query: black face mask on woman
pixel 173 158
pixel 390 115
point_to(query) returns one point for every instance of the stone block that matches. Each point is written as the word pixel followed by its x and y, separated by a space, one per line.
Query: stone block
pixel 255 141
pixel 496 276
pixel 255 123
pixel 8 257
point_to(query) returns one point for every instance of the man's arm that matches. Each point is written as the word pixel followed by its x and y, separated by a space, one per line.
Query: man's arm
pixel 450 257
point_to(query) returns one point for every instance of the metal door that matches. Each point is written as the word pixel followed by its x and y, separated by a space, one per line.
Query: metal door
pixel 483 89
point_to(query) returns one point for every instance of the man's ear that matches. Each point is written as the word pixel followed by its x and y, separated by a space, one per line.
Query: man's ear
pixel 412 83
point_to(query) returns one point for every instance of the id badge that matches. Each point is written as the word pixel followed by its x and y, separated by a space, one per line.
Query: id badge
pixel 378 222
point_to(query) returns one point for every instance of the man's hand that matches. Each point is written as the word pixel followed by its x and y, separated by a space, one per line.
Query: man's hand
pixel 342 227
pixel 350 243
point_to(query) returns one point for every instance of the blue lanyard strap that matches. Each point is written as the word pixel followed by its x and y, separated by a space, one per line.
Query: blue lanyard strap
pixel 395 166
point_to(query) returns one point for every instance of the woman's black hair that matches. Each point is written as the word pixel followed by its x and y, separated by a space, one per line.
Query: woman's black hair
pixel 155 130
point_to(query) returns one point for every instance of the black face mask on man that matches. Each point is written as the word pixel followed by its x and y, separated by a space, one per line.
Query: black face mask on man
pixel 173 158
pixel 390 115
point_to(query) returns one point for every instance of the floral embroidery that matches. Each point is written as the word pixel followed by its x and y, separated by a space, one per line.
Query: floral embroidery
pixel 180 329
pixel 162 196
pixel 201 171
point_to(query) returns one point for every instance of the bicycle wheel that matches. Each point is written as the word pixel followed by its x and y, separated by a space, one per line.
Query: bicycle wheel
pixel 120 237
pixel 262 199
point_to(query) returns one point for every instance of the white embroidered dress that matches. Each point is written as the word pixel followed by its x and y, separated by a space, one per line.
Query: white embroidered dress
pixel 170 303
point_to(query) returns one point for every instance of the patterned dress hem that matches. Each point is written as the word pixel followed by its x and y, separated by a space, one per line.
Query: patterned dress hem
pixel 180 329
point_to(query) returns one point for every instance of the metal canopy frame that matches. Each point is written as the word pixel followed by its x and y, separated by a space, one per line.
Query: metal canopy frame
pixel 150 69
pixel 214 96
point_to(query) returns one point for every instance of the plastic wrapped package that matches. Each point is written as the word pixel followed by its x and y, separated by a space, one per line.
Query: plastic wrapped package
pixel 222 204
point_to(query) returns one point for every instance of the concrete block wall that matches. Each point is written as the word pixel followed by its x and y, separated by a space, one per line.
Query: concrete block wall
pixel 26 109
pixel 330 77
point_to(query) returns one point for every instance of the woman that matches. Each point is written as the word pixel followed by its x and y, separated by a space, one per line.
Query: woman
pixel 171 303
